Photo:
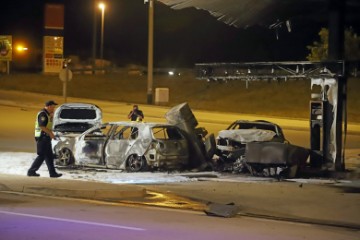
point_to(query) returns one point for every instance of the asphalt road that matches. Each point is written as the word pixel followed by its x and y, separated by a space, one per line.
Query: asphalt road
pixel 43 218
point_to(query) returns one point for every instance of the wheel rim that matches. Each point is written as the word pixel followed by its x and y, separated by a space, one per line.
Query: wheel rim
pixel 135 163
pixel 65 157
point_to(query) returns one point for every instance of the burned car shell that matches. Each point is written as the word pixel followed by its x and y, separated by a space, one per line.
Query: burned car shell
pixel 72 119
pixel 134 146
pixel 261 148
pixel 231 143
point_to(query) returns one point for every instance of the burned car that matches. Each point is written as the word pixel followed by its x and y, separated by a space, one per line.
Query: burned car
pixel 260 148
pixel 132 146
pixel 72 119
pixel 231 143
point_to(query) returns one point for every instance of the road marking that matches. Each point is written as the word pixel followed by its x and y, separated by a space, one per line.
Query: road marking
pixel 74 221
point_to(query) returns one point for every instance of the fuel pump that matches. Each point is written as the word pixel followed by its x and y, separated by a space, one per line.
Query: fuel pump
pixel 322 127
pixel 316 125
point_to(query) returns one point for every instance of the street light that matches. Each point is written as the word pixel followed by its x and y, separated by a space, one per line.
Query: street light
pixel 20 48
pixel 102 7
pixel 94 36
pixel 150 53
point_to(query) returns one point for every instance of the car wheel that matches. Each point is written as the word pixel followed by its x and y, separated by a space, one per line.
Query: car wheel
pixel 65 157
pixel 136 163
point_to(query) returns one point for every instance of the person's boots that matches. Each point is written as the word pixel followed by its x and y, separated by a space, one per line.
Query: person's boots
pixel 33 174
pixel 55 175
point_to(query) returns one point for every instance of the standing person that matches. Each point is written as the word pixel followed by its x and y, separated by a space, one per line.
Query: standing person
pixel 136 114
pixel 43 136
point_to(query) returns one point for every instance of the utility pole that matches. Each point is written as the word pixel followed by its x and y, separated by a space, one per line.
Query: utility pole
pixel 150 53
pixel 336 53
pixel 94 38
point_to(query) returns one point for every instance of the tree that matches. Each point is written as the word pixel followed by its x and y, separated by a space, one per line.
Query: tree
pixel 319 50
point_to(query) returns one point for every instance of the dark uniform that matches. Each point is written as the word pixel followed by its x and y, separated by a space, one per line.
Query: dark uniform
pixel 136 115
pixel 43 145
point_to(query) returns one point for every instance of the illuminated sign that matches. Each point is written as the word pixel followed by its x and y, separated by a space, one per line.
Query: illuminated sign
pixel 53 54
pixel 5 48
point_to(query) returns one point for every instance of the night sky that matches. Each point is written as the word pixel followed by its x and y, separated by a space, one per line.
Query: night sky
pixel 181 38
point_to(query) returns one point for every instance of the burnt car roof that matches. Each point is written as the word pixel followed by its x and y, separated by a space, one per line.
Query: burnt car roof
pixel 255 122
pixel 258 124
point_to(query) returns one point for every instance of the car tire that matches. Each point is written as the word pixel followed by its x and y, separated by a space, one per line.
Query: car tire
pixel 65 157
pixel 136 163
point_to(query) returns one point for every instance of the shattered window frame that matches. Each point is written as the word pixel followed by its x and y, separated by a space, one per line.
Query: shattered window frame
pixel 103 130
pixel 79 114
pixel 166 133
pixel 125 132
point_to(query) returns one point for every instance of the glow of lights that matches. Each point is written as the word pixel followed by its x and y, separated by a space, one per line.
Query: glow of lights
pixel 21 48
pixel 102 6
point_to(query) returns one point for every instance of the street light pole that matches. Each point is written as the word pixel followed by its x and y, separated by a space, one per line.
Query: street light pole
pixel 94 38
pixel 102 7
pixel 150 53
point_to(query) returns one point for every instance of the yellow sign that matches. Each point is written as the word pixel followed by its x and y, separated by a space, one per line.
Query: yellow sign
pixel 53 45
pixel 5 48
pixel 53 54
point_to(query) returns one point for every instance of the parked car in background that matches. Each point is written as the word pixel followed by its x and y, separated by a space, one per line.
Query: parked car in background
pixel 132 146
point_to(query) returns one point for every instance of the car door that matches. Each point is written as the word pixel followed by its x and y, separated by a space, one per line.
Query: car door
pixel 119 145
pixel 169 141
pixel 89 149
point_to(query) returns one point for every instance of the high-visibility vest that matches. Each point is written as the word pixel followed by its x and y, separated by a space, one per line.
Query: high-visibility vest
pixel 37 127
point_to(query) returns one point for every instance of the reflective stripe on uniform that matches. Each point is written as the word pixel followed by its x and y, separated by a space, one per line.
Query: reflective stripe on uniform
pixel 37 127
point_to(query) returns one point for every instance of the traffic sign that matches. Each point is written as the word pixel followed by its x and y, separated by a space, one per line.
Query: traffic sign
pixel 65 75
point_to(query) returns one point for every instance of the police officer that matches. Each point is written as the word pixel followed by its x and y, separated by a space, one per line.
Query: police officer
pixel 43 136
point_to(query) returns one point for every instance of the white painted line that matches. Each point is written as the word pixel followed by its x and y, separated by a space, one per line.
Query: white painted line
pixel 74 221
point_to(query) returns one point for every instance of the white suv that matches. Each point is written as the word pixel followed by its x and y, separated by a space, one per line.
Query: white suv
pixel 70 120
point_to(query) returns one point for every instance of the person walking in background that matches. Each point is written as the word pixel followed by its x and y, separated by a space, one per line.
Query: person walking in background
pixel 136 114
pixel 43 136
